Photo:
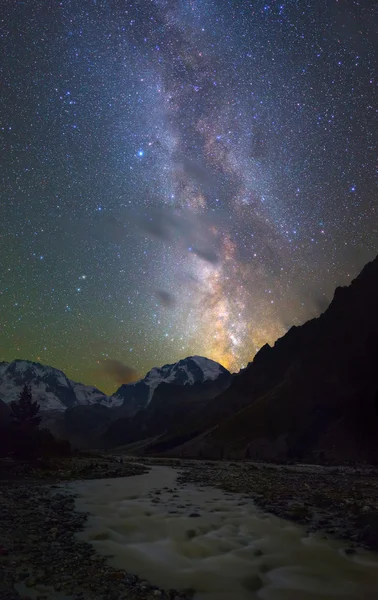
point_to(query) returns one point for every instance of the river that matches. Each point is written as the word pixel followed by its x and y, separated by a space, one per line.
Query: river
pixel 216 543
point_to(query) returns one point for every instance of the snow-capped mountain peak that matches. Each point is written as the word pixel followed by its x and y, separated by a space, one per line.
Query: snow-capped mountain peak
pixel 55 391
pixel 188 371
pixel 50 386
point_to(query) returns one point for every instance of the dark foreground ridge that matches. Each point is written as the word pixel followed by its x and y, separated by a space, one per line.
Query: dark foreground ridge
pixel 313 396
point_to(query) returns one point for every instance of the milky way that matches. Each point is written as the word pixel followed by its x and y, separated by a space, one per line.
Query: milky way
pixel 180 177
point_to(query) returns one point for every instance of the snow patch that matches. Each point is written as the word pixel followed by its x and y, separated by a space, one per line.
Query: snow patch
pixel 188 371
pixel 50 386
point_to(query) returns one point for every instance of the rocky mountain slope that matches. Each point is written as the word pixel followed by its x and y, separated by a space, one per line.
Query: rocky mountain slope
pixel 153 406
pixel 51 387
pixel 88 417
pixel 186 372
pixel 171 405
pixel 314 393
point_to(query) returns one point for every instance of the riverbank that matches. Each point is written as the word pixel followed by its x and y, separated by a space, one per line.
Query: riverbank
pixel 77 466
pixel 217 543
pixel 341 502
pixel 40 556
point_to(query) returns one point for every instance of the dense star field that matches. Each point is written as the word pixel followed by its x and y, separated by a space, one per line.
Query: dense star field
pixel 179 177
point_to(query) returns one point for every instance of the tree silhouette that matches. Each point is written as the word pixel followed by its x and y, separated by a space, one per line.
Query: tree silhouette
pixel 23 439
pixel 25 411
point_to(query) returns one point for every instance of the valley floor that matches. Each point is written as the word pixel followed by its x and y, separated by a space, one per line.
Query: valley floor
pixel 40 555
pixel 340 501
pixel 39 551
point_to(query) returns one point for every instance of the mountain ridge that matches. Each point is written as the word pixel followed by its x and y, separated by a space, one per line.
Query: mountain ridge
pixel 187 371
pixel 85 415
pixel 52 388
pixel 151 406
pixel 314 392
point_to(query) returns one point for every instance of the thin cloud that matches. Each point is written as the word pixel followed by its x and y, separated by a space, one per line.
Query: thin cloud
pixel 117 371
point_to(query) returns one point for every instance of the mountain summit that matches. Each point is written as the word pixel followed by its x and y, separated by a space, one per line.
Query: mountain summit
pixel 55 391
pixel 51 388
pixel 186 372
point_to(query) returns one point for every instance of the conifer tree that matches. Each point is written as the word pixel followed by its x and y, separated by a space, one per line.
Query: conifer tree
pixel 25 411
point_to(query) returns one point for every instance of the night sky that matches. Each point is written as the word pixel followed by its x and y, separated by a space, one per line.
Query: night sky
pixel 179 177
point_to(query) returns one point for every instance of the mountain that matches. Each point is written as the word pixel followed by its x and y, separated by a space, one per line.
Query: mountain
pixel 313 394
pixel 51 387
pixel 151 406
pixel 171 404
pixel 189 371
pixel 88 417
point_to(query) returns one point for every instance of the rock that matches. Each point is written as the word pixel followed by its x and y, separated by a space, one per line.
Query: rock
pixel 369 525
pixel 194 514
pixel 118 575
pixel 298 512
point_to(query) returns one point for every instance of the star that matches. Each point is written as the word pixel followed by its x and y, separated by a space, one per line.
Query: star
pixel 180 182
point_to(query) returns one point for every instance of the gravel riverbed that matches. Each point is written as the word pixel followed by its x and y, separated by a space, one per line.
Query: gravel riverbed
pixel 340 501
pixel 40 556
pixel 42 559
